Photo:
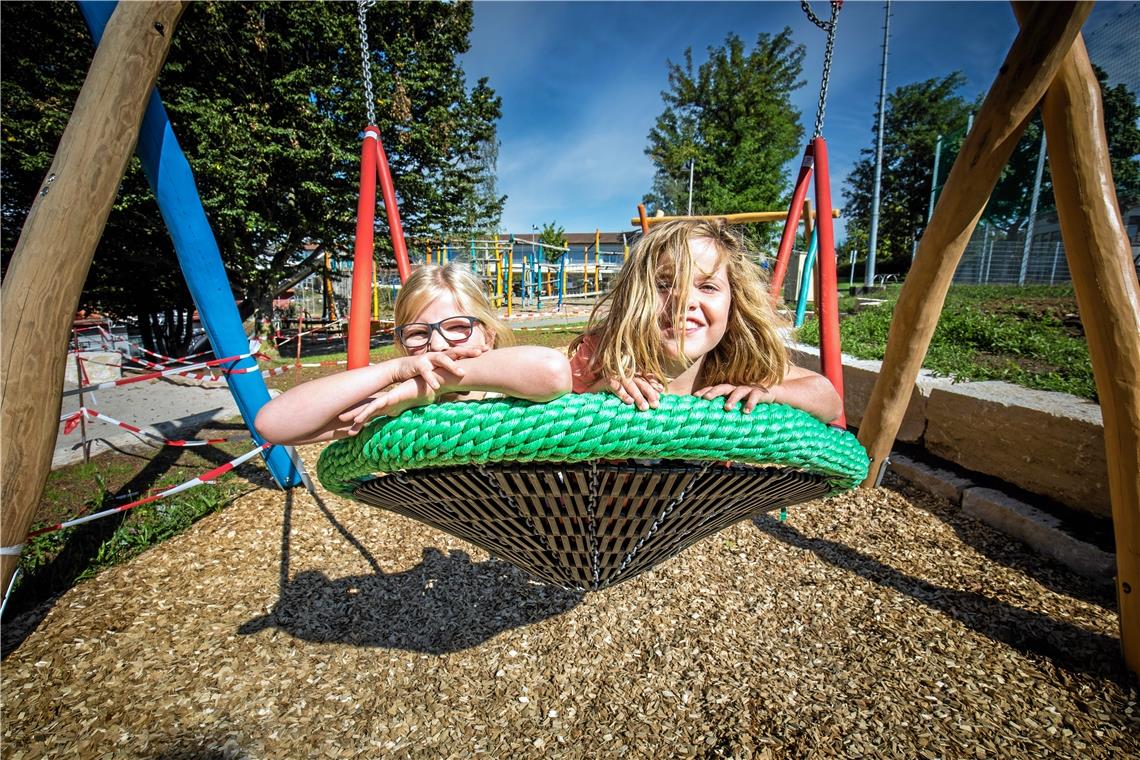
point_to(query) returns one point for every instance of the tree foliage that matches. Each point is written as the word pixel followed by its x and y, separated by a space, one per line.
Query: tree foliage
pixel 733 117
pixel 552 234
pixel 267 102
pixel 916 114
pixel 1122 128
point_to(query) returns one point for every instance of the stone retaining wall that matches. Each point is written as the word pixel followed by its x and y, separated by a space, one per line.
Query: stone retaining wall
pixel 1047 443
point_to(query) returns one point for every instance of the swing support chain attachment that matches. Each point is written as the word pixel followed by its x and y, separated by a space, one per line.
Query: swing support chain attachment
pixel 362 8
pixel 830 27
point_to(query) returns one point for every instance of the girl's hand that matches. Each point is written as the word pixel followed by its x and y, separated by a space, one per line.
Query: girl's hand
pixel 642 392
pixel 750 394
pixel 425 365
pixel 417 383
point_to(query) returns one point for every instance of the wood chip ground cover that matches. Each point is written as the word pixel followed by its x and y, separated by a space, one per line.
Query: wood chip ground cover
pixel 876 624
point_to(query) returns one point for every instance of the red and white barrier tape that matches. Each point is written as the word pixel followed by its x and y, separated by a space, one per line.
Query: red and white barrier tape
pixel 203 478
pixel 71 421
pixel 330 325
pixel 169 359
pixel 163 373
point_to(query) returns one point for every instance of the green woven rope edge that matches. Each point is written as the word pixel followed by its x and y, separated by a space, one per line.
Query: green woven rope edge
pixel 580 427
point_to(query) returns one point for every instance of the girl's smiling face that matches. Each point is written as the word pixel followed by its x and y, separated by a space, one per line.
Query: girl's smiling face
pixel 706 310
pixel 441 308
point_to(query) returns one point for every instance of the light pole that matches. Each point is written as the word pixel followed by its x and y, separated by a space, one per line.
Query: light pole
pixel 869 275
pixel 692 161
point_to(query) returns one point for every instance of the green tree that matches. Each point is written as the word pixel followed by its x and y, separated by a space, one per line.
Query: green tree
pixel 267 102
pixel 1122 128
pixel 733 117
pixel 916 114
pixel 555 235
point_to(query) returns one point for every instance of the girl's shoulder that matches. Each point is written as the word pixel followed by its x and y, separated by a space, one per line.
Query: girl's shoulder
pixel 582 374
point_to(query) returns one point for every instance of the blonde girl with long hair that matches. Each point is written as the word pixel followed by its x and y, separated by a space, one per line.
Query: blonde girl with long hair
pixel 453 347
pixel 689 313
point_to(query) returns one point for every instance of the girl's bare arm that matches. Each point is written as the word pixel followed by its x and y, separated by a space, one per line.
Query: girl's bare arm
pixel 527 372
pixel 313 411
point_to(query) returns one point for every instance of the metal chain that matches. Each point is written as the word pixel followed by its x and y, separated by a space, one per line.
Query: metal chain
pixel 660 519
pixel 592 507
pixel 829 27
pixel 362 8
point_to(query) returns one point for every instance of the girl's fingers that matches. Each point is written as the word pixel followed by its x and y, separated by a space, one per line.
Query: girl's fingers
pixel 444 361
pixel 351 414
pixel 735 395
pixel 464 352
pixel 648 392
pixel 715 391
pixel 427 373
pixel 620 391
pixel 634 391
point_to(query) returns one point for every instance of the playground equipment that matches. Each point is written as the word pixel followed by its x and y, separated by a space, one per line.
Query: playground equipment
pixel 1046 63
pixel 509 475
pixel 116 105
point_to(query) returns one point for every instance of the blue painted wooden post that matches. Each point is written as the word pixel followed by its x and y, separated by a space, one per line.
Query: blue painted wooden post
pixel 172 181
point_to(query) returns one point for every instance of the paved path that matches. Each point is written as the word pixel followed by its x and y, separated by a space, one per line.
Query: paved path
pixel 171 409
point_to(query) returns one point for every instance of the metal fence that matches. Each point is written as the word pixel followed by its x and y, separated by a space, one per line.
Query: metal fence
pixel 1010 262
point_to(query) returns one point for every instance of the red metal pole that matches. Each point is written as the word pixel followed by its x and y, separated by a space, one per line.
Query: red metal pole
pixel 395 229
pixel 791 224
pixel 831 357
pixel 359 312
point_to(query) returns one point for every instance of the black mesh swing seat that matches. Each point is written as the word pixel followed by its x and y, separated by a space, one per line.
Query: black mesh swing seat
pixel 585 492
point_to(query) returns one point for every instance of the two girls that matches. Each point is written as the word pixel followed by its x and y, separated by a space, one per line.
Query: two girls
pixel 687 314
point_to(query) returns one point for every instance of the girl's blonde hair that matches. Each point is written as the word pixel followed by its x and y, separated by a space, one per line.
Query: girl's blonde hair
pixel 625 324
pixel 428 282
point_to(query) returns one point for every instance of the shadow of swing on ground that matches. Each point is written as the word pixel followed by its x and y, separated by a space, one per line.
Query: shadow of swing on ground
pixel 444 604
pixel 1066 644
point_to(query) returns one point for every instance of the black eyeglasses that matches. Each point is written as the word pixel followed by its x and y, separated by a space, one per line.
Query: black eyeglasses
pixel 455 330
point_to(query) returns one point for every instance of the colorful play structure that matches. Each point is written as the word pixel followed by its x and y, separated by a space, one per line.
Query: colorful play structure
pixel 569 520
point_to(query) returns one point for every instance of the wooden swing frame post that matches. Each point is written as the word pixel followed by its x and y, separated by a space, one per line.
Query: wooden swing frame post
pixel 49 266
pixel 1047 64
pixel 1108 296
pixel 1026 73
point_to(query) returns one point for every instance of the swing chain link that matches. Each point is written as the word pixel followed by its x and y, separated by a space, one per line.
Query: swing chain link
pixel 676 502
pixel 592 508
pixel 362 8
pixel 830 27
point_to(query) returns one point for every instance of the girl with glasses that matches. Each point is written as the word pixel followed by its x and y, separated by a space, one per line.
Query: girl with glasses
pixel 453 348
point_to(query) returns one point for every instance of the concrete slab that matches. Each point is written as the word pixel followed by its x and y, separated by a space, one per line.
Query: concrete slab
pixel 1043 532
pixel 933 480
pixel 167 408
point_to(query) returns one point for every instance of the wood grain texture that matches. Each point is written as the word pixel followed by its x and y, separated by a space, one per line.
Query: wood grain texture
pixel 49 266
pixel 1100 260
pixel 1026 73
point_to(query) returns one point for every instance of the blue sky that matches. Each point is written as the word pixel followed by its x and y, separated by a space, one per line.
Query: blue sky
pixel 581 84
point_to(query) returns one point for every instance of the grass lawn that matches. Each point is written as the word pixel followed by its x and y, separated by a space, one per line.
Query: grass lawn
pixel 1029 336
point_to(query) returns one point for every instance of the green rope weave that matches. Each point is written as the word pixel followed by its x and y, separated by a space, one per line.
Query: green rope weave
pixel 580 427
